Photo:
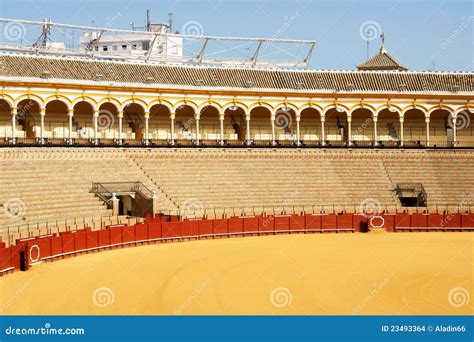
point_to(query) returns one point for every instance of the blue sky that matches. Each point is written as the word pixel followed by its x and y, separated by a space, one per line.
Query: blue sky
pixel 418 33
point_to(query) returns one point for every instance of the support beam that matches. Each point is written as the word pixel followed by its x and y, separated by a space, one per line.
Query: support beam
pixel 247 121
pixel 14 112
pixel 323 133
pixel 427 131
pixel 172 117
pixel 455 133
pixel 147 117
pixel 70 115
pixel 349 130
pixel 272 122
pixel 42 115
pixel 376 134
pixel 96 129
pixel 198 140
pixel 298 135
pixel 120 118
pixel 402 137
pixel 221 121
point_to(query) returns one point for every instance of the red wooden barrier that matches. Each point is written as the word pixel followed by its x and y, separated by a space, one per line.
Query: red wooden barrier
pixel 80 241
pixel 266 224
pixel 452 221
pixel 419 221
pixel 104 237
pixel 92 239
pixel 389 222
pixel 345 221
pixel 44 244
pixel 5 259
pixel 251 224
pixel 360 222
pixel 402 221
pixel 435 221
pixel 236 225
pixel 282 222
pixel 116 234
pixel 171 229
pixel 329 222
pixel 297 222
pixel 205 227
pixel 189 228
pixel 155 229
pixel 467 221
pixel 16 263
pixel 68 243
pixel 128 234
pixel 313 222
pixel 220 226
pixel 141 232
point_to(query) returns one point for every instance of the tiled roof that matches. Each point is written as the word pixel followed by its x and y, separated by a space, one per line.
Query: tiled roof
pixel 381 61
pixel 156 75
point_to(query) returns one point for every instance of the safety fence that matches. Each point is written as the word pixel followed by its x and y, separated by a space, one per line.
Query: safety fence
pixel 161 229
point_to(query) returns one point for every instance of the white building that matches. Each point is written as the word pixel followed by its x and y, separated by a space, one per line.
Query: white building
pixel 135 45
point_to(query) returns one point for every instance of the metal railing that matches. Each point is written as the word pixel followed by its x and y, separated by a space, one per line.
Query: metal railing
pixel 108 142
pixel 107 189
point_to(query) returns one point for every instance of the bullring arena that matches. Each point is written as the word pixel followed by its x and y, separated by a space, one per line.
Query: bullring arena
pixel 132 187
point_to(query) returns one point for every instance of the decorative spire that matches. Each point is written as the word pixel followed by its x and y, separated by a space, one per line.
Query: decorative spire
pixel 382 47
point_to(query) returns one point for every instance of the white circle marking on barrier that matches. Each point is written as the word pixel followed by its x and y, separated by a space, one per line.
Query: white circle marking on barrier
pixel 38 252
pixel 378 217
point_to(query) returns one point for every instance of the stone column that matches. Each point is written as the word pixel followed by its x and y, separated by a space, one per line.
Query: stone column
pixel 247 120
pixel 96 128
pixel 221 121
pixel 272 122
pixel 172 117
pixel 42 114
pixel 349 130
pixel 120 118
pixel 70 115
pixel 455 133
pixel 376 135
pixel 402 137
pixel 298 134
pixel 323 133
pixel 427 131
pixel 198 140
pixel 14 112
pixel 147 117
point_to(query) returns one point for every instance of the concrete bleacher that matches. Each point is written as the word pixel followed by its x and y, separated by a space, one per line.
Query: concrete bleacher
pixel 52 184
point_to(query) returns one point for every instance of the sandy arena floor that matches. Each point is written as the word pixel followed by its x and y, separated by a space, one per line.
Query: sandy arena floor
pixel 411 273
